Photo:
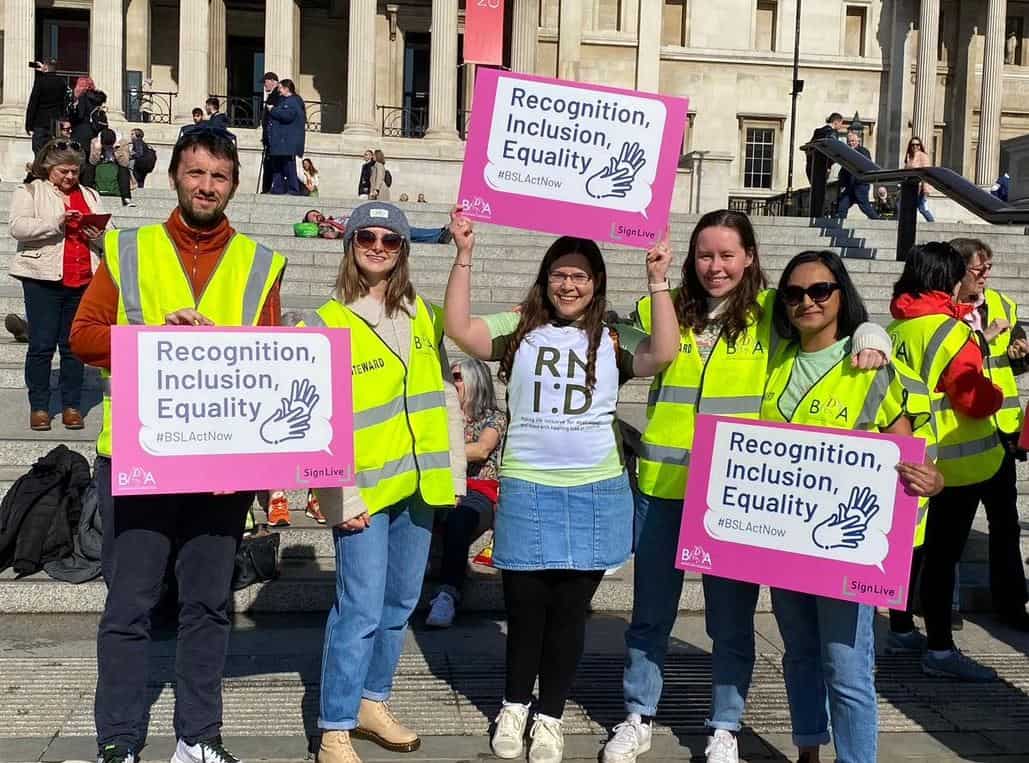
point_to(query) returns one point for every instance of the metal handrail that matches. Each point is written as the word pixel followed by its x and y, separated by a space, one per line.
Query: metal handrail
pixel 153 106
pixel 951 184
pixel 403 122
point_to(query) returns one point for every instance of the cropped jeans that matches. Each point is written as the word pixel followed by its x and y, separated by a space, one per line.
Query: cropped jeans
pixel 379 573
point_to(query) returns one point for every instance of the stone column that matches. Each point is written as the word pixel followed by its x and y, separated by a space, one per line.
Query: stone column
pixel 217 73
pixel 361 70
pixel 19 49
pixel 280 53
pixel 469 87
pixel 648 47
pixel 569 39
pixel 987 162
pixel 194 42
pixel 525 21
pixel 137 37
pixel 443 71
pixel 923 121
pixel 106 47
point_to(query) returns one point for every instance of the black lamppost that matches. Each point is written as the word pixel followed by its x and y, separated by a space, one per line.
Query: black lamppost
pixel 856 125
pixel 798 88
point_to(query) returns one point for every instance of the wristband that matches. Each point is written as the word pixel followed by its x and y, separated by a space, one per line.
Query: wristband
pixel 462 265
pixel 657 288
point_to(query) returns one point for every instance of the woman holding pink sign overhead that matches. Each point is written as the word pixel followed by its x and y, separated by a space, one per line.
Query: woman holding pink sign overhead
pixel 565 509
pixel 829 644
pixel 726 340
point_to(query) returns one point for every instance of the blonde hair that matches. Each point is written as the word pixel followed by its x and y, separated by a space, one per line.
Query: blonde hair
pixel 50 156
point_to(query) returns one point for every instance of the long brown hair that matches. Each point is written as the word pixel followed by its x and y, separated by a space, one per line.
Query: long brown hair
pixel 351 284
pixel 921 147
pixel 691 303
pixel 537 309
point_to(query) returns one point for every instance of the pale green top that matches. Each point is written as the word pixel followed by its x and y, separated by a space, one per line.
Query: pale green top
pixel 808 368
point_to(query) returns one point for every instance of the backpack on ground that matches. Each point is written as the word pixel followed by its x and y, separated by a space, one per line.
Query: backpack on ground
pixel 106 182
pixel 388 179
pixel 147 161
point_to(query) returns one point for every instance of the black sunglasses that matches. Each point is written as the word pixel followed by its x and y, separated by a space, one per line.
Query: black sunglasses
pixel 819 292
pixel 204 128
pixel 391 242
pixel 64 145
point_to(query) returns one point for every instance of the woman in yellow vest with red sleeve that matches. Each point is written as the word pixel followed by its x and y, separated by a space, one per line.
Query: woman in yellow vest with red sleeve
pixel 726 341
pixel 409 453
pixel 829 643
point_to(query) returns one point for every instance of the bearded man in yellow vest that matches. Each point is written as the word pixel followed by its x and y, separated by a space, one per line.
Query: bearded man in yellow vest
pixel 192 270
pixel 994 318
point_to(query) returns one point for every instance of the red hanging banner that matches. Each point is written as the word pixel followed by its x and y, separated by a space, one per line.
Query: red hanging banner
pixel 484 32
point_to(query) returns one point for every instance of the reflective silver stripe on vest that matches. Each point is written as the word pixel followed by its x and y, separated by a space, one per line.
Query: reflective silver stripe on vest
pixel 933 347
pixel 128 267
pixel 438 460
pixel 965 449
pixel 999 361
pixel 933 451
pixel 728 406
pixel 1009 402
pixel 313 318
pixel 425 401
pixel 263 259
pixel 668 394
pixel 378 414
pixel 372 477
pixel 105 386
pixel 663 454
pixel 874 399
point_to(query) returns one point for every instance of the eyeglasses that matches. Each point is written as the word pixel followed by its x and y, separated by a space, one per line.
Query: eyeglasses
pixel 916 145
pixel 64 145
pixel 558 278
pixel 391 242
pixel 981 270
pixel 819 292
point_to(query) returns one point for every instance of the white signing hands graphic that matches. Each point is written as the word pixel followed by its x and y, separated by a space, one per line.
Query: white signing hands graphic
pixel 292 419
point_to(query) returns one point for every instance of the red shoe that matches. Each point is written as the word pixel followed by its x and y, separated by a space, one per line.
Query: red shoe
pixel 314 509
pixel 278 510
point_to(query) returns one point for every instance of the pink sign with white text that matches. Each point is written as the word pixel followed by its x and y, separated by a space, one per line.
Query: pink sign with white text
pixel 204 409
pixel 808 509
pixel 571 158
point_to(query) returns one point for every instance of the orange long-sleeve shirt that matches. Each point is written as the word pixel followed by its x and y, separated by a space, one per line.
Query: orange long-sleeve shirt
pixel 199 252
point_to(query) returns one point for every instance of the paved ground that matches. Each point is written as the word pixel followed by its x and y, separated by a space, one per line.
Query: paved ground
pixel 450 684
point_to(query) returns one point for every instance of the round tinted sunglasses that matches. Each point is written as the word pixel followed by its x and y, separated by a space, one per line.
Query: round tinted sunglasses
pixel 64 145
pixel 391 242
pixel 819 292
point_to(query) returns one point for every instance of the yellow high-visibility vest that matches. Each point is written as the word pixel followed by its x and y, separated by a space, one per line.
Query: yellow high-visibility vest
pixel 401 433
pixel 998 364
pixel 146 268
pixel 730 383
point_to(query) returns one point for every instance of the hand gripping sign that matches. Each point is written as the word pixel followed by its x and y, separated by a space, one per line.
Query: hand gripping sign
pixel 201 409
pixel 815 510
pixel 572 159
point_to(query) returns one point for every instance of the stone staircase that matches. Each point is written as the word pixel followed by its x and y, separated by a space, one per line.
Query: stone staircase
pixel 506 263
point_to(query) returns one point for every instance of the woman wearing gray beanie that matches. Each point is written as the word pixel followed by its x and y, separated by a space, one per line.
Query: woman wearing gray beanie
pixel 409 455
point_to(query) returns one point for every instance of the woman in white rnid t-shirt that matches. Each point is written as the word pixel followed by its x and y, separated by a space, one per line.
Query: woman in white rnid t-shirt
pixel 565 511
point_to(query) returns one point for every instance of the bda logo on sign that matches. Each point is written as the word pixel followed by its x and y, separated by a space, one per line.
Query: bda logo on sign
pixel 139 478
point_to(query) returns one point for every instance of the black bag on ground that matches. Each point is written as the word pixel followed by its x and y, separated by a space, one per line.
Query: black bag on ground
pixel 257 560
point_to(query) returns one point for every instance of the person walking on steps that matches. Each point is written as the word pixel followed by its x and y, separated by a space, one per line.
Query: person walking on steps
pixel 193 269
pixel 851 190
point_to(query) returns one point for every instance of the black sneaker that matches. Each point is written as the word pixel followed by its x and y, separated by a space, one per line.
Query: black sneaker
pixel 113 753
pixel 18 327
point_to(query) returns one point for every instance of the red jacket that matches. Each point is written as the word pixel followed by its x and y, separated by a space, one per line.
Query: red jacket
pixel 963 381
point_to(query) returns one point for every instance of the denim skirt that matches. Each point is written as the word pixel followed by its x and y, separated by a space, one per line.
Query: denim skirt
pixel 587 527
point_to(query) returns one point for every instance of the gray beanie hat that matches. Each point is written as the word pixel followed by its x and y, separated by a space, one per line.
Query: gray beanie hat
pixel 377 214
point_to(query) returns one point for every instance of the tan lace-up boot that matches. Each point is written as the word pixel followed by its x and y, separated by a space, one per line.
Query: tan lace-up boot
pixel 336 748
pixel 376 722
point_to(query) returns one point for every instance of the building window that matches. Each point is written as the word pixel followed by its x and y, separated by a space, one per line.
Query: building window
pixel 675 23
pixel 1013 41
pixel 608 16
pixel 854 31
pixel 767 23
pixel 759 157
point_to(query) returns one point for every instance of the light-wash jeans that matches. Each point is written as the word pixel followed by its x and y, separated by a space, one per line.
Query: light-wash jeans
pixel 379 574
pixel 657 586
pixel 829 649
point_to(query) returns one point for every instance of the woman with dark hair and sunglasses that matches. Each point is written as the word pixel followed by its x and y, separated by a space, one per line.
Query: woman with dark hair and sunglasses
pixel 409 451
pixel 931 336
pixel 56 258
pixel 914 157
pixel 565 511
pixel 726 339
pixel 829 644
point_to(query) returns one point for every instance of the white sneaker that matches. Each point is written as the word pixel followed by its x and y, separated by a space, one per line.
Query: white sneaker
pixel 441 611
pixel 206 751
pixel 509 736
pixel 629 740
pixel 548 741
pixel 722 748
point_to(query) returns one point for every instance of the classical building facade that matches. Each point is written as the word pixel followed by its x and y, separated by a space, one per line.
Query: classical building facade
pixel 391 74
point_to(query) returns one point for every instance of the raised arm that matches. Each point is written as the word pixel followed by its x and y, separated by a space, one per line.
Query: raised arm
pixel 661 347
pixel 470 334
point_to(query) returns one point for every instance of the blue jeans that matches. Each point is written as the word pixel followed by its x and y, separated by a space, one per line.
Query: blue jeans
pixel 379 574
pixel 49 308
pixel 829 649
pixel 425 235
pixel 923 207
pixel 857 195
pixel 729 607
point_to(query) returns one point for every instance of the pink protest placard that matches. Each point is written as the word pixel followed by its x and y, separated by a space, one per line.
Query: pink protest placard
pixel 571 159
pixel 202 409
pixel 808 509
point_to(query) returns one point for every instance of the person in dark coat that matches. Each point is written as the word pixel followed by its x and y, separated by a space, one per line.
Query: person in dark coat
pixel 286 132
pixel 831 128
pixel 364 185
pixel 271 98
pixel 46 105
pixel 87 116
pixel 851 191
pixel 216 118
